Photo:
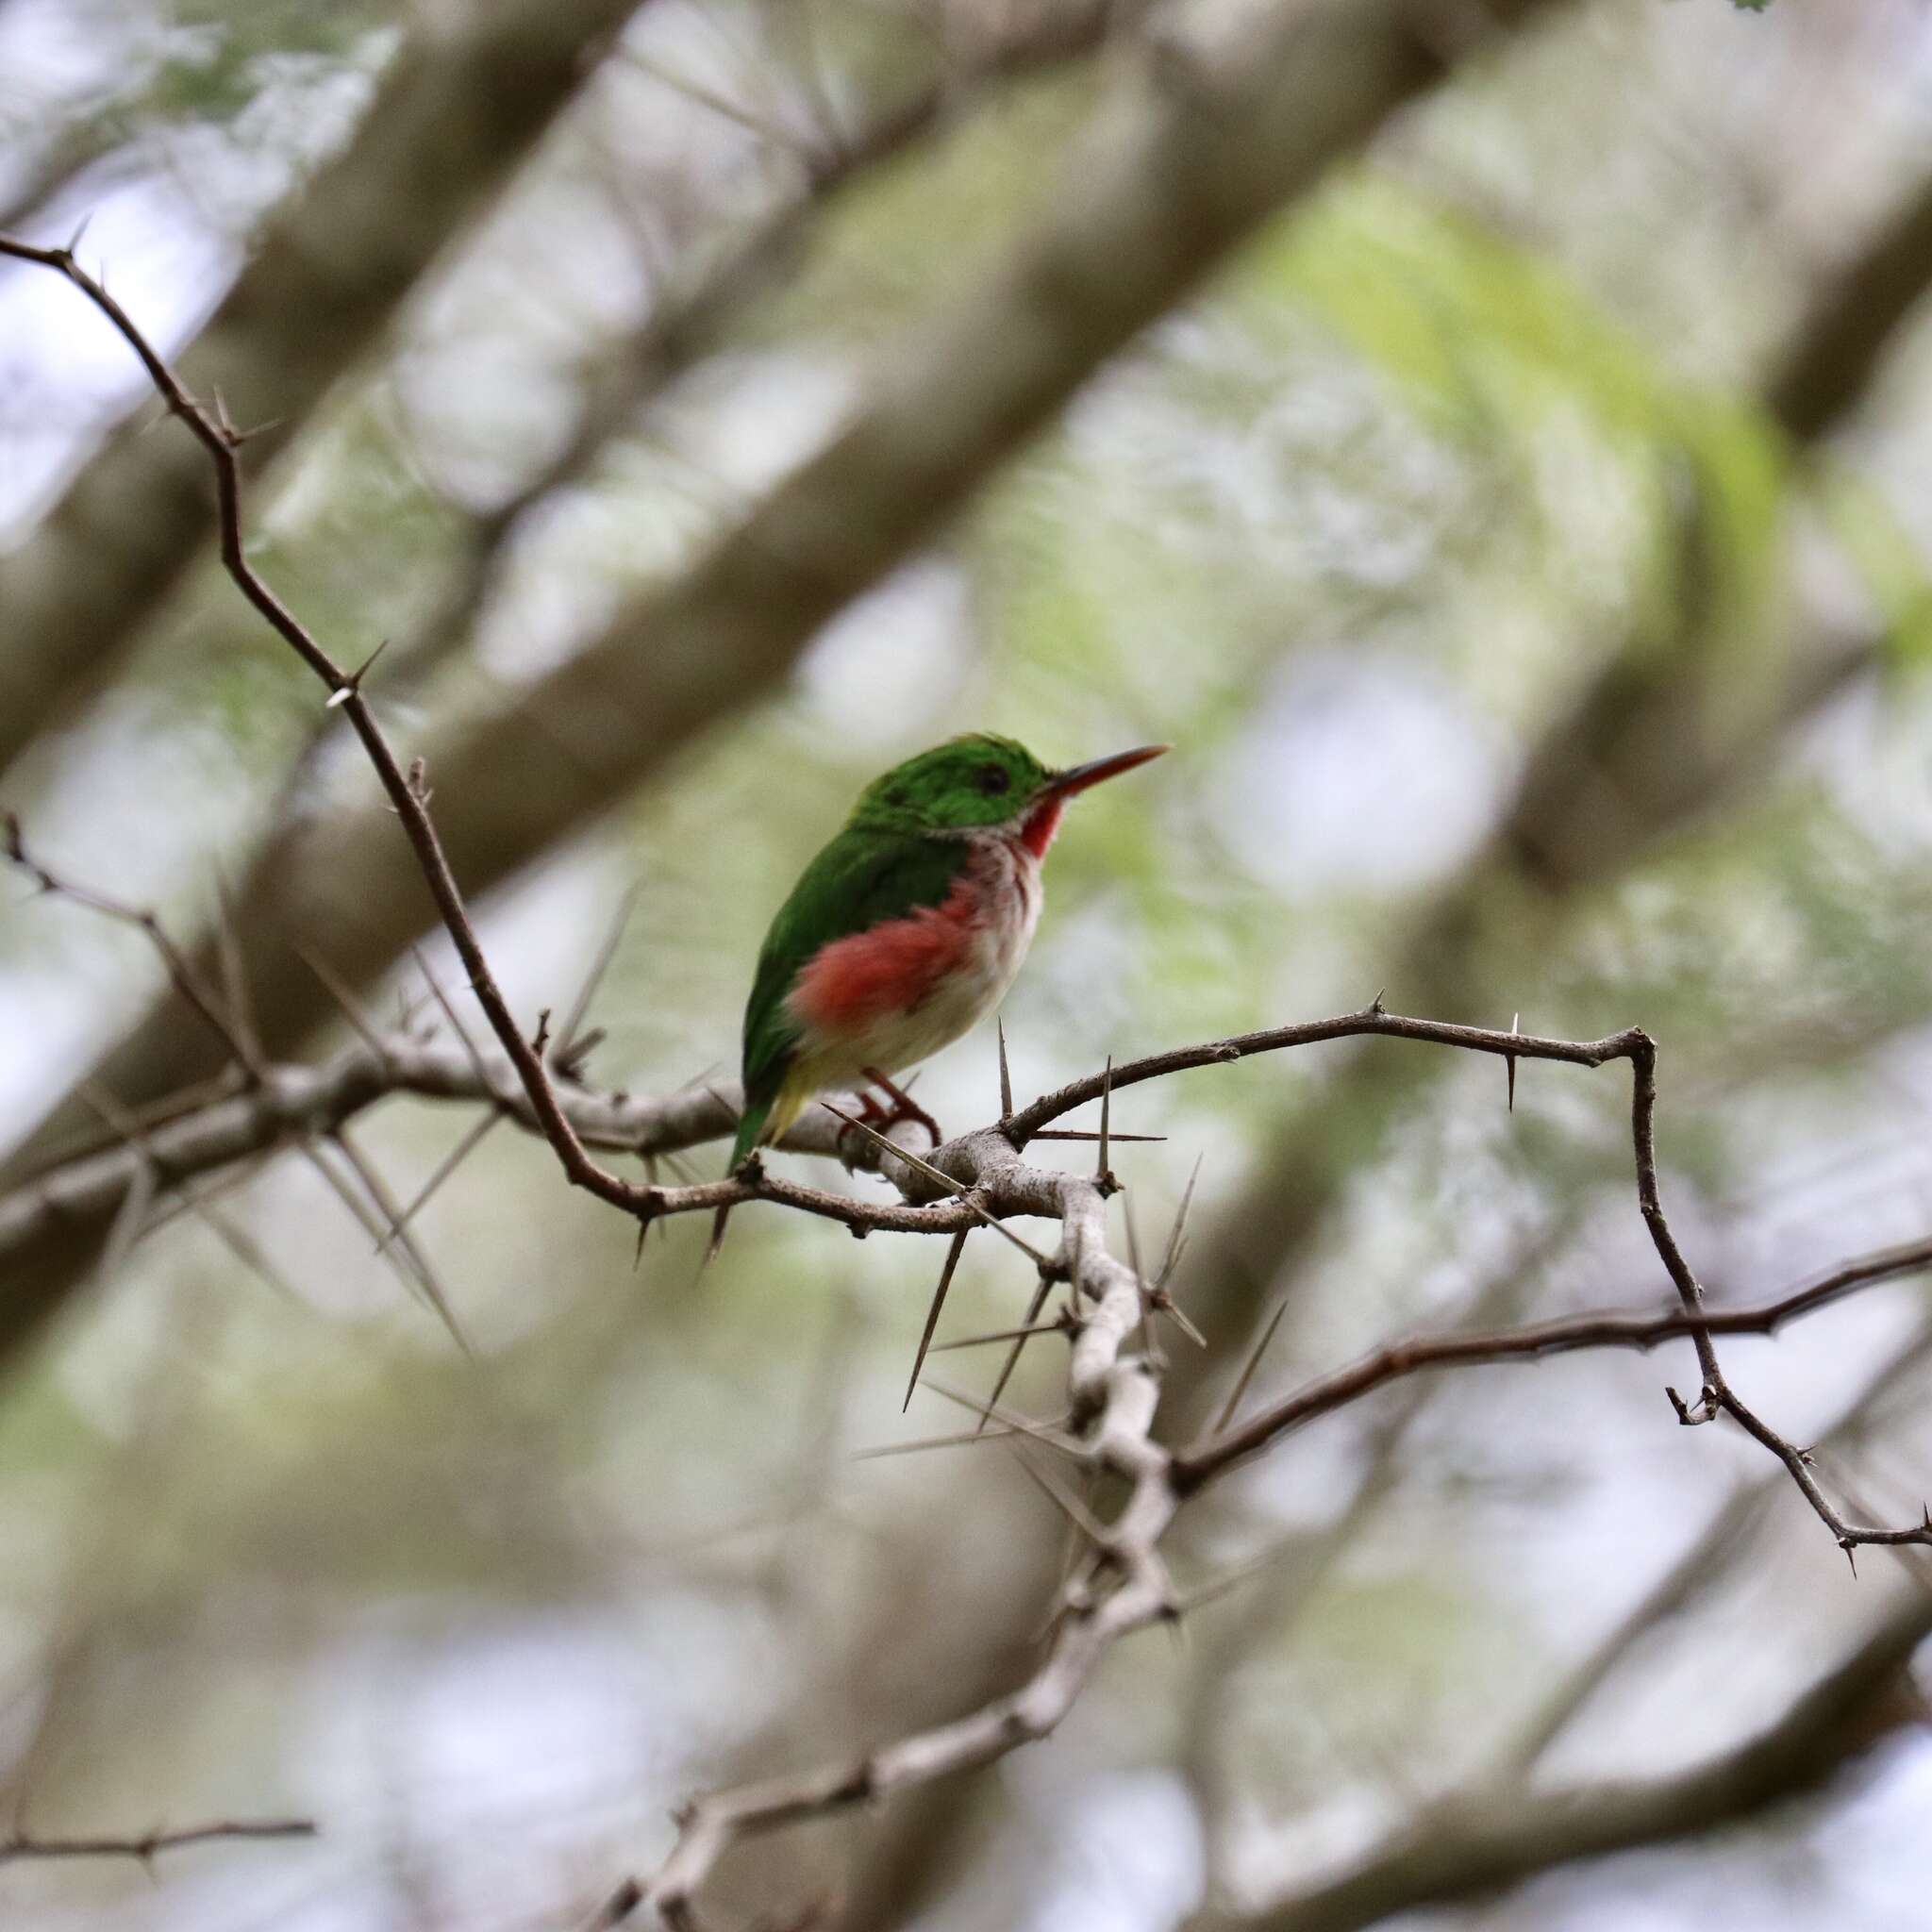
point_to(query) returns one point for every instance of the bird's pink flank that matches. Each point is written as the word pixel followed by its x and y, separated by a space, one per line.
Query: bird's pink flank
pixel 848 986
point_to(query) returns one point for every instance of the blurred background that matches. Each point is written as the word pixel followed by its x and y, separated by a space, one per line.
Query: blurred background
pixel 1487 440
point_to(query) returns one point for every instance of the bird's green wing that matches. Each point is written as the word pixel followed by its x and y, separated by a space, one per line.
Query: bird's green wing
pixel 860 879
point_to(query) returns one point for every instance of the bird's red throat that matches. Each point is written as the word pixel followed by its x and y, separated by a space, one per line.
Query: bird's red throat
pixel 1041 823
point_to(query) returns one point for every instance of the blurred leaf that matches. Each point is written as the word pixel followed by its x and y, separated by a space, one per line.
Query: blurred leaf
pixel 1886 558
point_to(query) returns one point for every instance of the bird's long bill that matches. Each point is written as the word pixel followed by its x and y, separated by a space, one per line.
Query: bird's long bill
pixel 1066 783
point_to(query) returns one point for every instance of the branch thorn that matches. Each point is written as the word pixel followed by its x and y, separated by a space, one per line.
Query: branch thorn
pixel 1254 1362
pixel 1013 1360
pixel 1160 1299
pixel 959 1191
pixel 932 1314
pixel 1176 1238
pixel 353 683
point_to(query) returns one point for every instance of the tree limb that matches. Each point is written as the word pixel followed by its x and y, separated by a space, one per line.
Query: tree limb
pixel 1453 1854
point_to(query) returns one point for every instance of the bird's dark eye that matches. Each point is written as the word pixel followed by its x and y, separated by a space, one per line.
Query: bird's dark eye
pixel 993 779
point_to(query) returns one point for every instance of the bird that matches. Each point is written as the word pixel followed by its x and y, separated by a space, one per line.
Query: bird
pixel 907 929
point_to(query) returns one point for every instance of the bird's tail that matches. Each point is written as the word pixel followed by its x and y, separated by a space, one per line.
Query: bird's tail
pixel 765 1121
pixel 761 1120
pixel 751 1127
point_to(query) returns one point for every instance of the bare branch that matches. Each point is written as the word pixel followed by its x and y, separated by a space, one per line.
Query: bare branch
pixel 1370 1021
pixel 981 1178
pixel 1114 1398
pixel 229 1027
pixel 1536 1342
pixel 1195 143
pixel 23 1845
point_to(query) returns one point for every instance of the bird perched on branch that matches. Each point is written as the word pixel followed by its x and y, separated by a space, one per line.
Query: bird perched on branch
pixel 905 929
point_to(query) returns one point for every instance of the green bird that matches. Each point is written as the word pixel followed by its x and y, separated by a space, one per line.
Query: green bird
pixel 907 927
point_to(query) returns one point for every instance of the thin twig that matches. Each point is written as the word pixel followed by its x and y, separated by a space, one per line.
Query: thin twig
pixel 23 1845
pixel 181 974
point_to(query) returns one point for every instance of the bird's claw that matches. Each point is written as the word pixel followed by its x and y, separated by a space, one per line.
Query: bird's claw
pixel 904 1108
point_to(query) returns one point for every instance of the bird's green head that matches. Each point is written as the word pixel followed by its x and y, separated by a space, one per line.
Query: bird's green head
pixel 981 781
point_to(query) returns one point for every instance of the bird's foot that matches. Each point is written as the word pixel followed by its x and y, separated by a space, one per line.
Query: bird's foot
pixel 871 1114
pixel 904 1108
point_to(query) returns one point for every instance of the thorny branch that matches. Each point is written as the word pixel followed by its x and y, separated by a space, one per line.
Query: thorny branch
pixel 183 976
pixel 409 792
pixel 1121 1583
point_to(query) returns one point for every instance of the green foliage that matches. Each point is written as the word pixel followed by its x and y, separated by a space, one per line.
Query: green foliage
pixel 1492 342
pixel 893 249
pixel 217 54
